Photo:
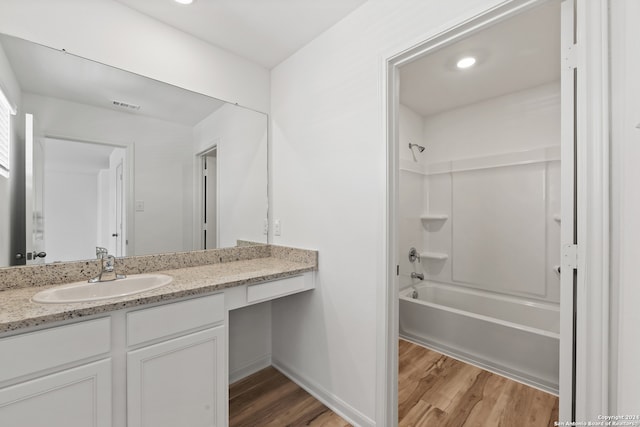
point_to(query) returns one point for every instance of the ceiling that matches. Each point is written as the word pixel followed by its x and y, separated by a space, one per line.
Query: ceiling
pixel 263 31
pixel 513 55
pixel 50 72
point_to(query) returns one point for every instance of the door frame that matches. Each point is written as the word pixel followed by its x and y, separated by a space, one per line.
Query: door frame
pixel 120 208
pixel 198 193
pixel 592 191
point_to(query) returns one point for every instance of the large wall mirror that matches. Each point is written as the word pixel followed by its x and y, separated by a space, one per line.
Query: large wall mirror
pixel 100 157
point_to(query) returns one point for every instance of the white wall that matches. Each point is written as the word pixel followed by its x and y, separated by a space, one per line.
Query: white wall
pixel 249 340
pixel 241 137
pixel 329 171
pixel 625 213
pixel 411 130
pixel 413 189
pixel 109 32
pixel 70 198
pixel 163 166
pixel 515 122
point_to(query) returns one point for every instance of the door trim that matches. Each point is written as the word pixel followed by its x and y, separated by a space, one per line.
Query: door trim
pixel 593 207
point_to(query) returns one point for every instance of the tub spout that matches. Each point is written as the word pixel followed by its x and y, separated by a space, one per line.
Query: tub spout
pixel 415 275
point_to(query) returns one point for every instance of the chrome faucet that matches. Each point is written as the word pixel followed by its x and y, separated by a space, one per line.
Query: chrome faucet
pixel 415 275
pixel 107 267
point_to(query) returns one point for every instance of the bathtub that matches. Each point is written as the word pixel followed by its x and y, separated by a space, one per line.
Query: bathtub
pixel 509 336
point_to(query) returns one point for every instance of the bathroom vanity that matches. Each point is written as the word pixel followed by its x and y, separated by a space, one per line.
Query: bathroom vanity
pixel 157 358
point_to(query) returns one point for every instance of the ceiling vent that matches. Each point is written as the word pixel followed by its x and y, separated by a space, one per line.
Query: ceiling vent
pixel 126 105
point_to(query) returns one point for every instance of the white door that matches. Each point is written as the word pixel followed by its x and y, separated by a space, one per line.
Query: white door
pixel 77 397
pixel 34 194
pixel 179 382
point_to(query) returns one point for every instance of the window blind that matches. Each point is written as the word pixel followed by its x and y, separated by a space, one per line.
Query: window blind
pixel 5 134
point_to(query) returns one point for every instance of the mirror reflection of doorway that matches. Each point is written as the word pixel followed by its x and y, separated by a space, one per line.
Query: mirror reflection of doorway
pixel 209 163
pixel 34 194
pixel 85 199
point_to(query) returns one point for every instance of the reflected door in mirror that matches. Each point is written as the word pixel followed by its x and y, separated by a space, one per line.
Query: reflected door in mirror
pixel 34 193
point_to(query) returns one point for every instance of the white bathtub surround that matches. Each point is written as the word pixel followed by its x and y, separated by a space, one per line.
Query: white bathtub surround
pixel 490 192
pixel 506 335
pixel 500 233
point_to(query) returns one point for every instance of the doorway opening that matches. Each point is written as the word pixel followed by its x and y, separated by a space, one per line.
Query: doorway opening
pixel 208 195
pixel 478 191
pixel 84 193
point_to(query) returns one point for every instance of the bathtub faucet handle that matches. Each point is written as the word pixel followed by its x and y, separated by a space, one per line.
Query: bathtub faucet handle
pixel 414 255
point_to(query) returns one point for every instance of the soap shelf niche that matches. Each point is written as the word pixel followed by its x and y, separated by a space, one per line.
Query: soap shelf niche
pixel 434 256
pixel 434 217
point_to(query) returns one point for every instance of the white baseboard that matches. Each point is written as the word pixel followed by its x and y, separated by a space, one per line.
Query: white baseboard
pixel 337 405
pixel 250 368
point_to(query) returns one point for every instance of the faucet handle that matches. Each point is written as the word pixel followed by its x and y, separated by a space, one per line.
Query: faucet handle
pixel 109 263
pixel 101 252
pixel 413 255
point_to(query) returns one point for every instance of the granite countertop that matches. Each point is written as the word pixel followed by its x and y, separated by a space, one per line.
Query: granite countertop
pixel 17 311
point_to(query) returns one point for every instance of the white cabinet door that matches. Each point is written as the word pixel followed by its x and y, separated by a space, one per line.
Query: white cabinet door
pixel 179 382
pixel 78 397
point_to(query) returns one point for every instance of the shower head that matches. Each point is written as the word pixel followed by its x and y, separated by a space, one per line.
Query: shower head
pixel 419 147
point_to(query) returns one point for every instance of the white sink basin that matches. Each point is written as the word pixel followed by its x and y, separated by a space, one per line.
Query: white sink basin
pixel 86 292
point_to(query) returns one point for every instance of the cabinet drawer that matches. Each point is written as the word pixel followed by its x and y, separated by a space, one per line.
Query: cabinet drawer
pixel 36 351
pixel 158 322
pixel 275 289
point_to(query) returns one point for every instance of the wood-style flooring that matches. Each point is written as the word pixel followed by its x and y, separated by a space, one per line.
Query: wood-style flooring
pixel 433 390
pixel 436 390
pixel 268 398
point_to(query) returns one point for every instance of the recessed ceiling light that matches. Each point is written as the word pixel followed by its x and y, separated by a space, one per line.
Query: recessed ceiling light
pixel 184 1
pixel 466 62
